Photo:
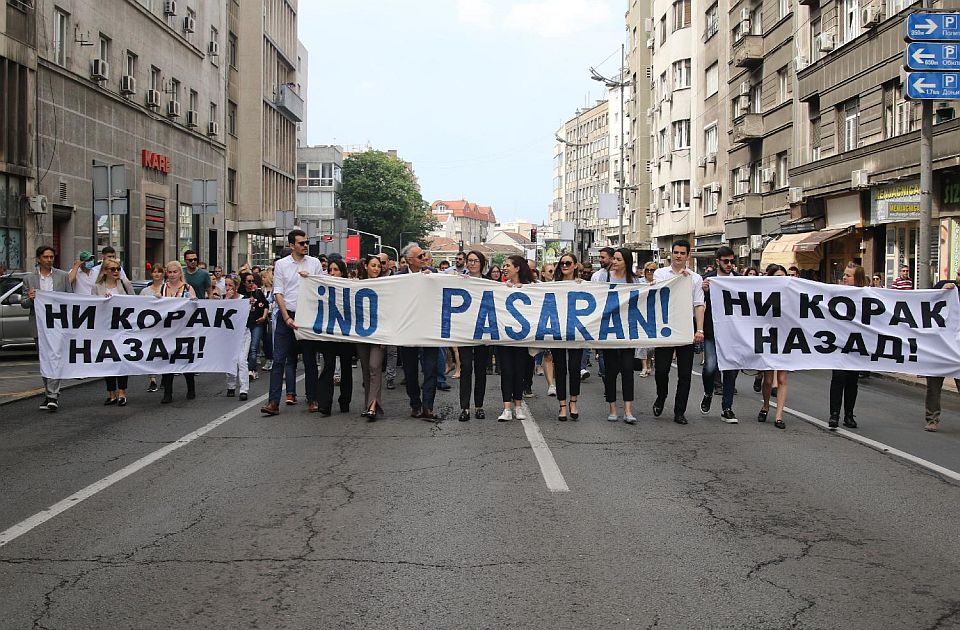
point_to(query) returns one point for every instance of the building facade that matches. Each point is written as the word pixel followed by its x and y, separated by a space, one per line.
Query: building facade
pixel 463 221
pixel 638 154
pixel 106 98
pixel 319 185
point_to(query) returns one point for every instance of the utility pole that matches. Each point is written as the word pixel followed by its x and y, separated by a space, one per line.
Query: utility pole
pixel 622 180
pixel 926 187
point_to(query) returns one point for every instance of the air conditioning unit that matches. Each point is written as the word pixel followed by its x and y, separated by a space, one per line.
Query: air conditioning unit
pixel 859 178
pixel 825 42
pixel 744 14
pixel 745 89
pixel 189 24
pixel 744 251
pixel 702 162
pixel 193 118
pixel 871 15
pixel 38 204
pixel 213 49
pixel 170 7
pixel 800 62
pixel 795 195
pixel 756 242
pixel 768 175
pixel 715 188
pixel 743 102
pixel 213 128
pixel 650 42
pixel 128 84
pixel 173 109
pixel 100 70
pixel 711 158
pixel 153 98
pixel 697 194
pixel 648 25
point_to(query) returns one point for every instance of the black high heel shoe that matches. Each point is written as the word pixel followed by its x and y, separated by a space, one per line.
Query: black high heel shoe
pixel 110 401
pixel 573 414
pixel 562 414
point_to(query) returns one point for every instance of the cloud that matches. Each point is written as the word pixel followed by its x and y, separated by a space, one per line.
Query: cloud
pixel 557 18
pixel 475 12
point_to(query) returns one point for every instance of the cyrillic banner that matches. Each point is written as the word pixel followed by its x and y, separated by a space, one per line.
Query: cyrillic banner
pixel 453 310
pixel 81 336
pixel 781 323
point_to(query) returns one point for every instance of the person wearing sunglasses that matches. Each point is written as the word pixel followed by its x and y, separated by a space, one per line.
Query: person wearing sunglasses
pixel 473 359
pixel 725 261
pixel 257 320
pixel 566 361
pixel 196 277
pixel 110 283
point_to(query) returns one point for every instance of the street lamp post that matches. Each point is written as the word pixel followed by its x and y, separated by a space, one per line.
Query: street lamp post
pixel 621 84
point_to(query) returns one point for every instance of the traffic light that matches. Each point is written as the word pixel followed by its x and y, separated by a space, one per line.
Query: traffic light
pixel 533 234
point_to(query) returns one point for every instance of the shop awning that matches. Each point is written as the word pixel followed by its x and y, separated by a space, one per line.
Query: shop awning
pixel 815 239
pixel 783 251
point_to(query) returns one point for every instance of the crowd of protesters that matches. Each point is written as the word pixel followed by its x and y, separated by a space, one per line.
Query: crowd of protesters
pixel 270 331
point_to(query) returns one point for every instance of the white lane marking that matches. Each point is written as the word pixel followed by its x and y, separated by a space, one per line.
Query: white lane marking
pixel 548 465
pixel 21 528
pixel 874 444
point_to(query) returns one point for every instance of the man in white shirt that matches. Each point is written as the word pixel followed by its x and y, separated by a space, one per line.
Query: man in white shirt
pixel 663 356
pixel 603 273
pixel 286 281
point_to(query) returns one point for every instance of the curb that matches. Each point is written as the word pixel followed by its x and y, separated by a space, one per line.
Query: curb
pixel 6 399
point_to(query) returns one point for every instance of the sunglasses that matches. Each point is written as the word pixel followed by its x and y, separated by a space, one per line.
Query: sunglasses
pixel 421 256
pixel 113 269
pixel 189 260
pixel 727 261
pixel 566 263
pixel 301 243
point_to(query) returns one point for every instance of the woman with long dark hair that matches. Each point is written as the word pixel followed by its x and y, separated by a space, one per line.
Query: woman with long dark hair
pixel 774 379
pixel 845 384
pixel 566 361
pixel 493 360
pixel 514 359
pixel 619 361
pixel 108 283
pixel 371 354
pixel 257 321
pixel 473 359
pixel 331 351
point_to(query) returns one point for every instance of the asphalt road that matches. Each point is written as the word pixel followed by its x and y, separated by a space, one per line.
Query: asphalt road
pixel 308 522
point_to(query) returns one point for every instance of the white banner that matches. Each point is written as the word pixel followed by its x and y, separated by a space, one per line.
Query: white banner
pixel 81 336
pixel 780 323
pixel 453 310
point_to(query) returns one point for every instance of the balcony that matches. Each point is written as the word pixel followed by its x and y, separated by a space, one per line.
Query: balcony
pixel 749 206
pixel 289 103
pixel 748 51
pixel 748 128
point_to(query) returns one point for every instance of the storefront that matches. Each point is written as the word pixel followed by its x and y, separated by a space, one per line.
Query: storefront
pixel 896 207
pixel 949 227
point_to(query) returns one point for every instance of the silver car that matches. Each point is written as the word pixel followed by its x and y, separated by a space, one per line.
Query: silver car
pixel 15 331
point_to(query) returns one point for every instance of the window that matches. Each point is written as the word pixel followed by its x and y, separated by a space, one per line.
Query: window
pixel 232 185
pixel 681 14
pixel 681 74
pixel 663 30
pixel 713 23
pixel 783 84
pixel 12 189
pixel 174 90
pixel 851 19
pixel 326 174
pixel 131 64
pixel 213 112
pixel 785 8
pixel 662 142
pixel 756 181
pixel 816 28
pixel 232 117
pixel 900 116
pixel 848 122
pixel 214 35
pixel 681 134
pixel 60 37
pixel 813 115
pixel 232 50
pixel 680 194
pixel 896 6
pixel 712 79
pixel 711 137
pixel 194 100
pixel 710 201
pixel 756 20
pixel 154 78
pixel 783 170
pixel 740 180
pixel 756 98
pixel 104 48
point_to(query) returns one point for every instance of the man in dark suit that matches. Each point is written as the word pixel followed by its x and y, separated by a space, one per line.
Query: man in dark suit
pixel 45 278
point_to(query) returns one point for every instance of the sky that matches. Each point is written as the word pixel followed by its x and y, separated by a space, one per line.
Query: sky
pixel 470 91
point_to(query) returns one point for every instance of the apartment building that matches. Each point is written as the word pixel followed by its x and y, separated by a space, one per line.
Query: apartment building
pixel 463 221
pixel 319 184
pixel 269 108
pixel 637 136
pixel 138 86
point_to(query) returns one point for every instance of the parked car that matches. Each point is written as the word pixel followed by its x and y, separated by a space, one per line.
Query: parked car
pixel 15 333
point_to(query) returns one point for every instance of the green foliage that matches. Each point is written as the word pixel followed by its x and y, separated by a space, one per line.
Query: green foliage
pixel 382 197
pixel 498 259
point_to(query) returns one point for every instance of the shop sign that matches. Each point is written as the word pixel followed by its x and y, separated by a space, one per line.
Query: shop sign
pixel 155 161
pixel 950 195
pixel 895 202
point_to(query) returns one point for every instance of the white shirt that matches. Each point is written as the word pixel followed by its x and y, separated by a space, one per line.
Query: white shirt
pixel 665 273
pixel 46 281
pixel 600 275
pixel 83 285
pixel 286 277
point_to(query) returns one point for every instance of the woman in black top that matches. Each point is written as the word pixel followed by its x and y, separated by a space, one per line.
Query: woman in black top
pixel 473 359
pixel 567 360
pixel 514 359
pixel 845 384
pixel 257 321
pixel 331 351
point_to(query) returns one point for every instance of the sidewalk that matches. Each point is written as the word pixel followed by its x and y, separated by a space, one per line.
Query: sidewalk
pixel 20 378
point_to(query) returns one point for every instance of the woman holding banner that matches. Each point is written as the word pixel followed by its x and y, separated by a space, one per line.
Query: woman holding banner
pixel 774 379
pixel 473 359
pixel 175 287
pixel 619 361
pixel 240 372
pixel 333 350
pixel 514 361
pixel 110 283
pixel 567 360
pixel 371 354
pixel 493 363
pixel 155 289
pixel 845 384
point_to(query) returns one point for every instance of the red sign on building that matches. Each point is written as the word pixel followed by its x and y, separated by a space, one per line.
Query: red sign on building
pixel 353 249
pixel 155 161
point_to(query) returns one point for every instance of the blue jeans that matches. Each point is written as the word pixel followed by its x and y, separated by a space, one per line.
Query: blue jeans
pixel 256 336
pixel 286 346
pixel 710 370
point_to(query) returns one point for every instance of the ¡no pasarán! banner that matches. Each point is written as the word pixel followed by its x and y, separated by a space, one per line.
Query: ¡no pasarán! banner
pixel 782 323
pixel 453 310
pixel 82 336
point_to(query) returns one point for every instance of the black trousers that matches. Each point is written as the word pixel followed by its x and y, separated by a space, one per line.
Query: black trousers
pixel 562 360
pixel 166 381
pixel 663 358
pixel 116 382
pixel 330 351
pixel 529 369
pixel 512 371
pixel 618 362
pixel 844 386
pixel 473 370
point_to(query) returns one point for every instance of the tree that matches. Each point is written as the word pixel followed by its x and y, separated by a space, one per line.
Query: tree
pixel 381 195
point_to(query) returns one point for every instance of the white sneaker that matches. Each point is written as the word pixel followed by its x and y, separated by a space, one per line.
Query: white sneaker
pixel 584 374
pixel 505 416
pixel 519 413
pixel 552 390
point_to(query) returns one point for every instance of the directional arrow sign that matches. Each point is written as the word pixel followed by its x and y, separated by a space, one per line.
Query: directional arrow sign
pixel 931 56
pixel 941 86
pixel 933 26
